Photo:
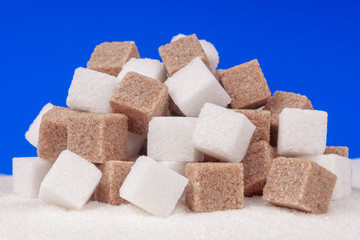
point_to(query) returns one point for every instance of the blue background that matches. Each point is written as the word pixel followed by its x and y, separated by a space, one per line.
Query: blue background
pixel 310 48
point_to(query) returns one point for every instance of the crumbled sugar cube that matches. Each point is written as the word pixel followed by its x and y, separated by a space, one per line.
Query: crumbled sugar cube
pixel 53 133
pixel 151 68
pixel 170 139
pixel 257 163
pixel 134 144
pixel 246 85
pixel 301 132
pixel 356 173
pixel 341 151
pixel 214 186
pixel 98 137
pixel 261 120
pixel 341 167
pixel 193 86
pixel 300 184
pixel 178 54
pixel 70 182
pixel 140 98
pixel 277 103
pixel 178 167
pixel 32 135
pixel 222 133
pixel 90 91
pixel 153 187
pixel 113 176
pixel 110 57
pixel 28 173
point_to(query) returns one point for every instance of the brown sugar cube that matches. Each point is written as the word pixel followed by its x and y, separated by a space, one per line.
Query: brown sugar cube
pixel 257 163
pixel 261 120
pixel 179 53
pixel 277 103
pixel 208 158
pixel 214 186
pixel 53 133
pixel 299 184
pixel 140 98
pixel 341 151
pixel 110 57
pixel 113 176
pixel 98 137
pixel 246 85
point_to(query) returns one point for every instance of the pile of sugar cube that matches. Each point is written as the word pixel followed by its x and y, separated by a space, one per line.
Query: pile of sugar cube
pixel 144 132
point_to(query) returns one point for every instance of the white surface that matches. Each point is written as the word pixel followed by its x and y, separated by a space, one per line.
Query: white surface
pixel 302 132
pixel 151 68
pixel 193 86
pixel 90 91
pixel 223 133
pixel 341 167
pixel 28 174
pixel 70 182
pixel 23 218
pixel 178 167
pixel 153 187
pixel 133 145
pixel 32 135
pixel 170 139
pixel 356 173
pixel 211 53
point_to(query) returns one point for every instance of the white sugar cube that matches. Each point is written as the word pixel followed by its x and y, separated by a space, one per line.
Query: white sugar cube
pixel 193 86
pixel 153 187
pixel 178 167
pixel 223 133
pixel 151 68
pixel 70 182
pixel 28 173
pixel 338 165
pixel 301 132
pixel 177 37
pixel 170 139
pixel 134 144
pixel 32 135
pixel 356 173
pixel 90 91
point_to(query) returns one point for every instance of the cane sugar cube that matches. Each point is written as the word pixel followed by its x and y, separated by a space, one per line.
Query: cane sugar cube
pixel 300 184
pixel 178 167
pixel 261 120
pixel 301 132
pixel 341 167
pixel 355 173
pixel 98 137
pixel 193 86
pixel 90 91
pixel 341 151
pixel 32 135
pixel 214 186
pixel 134 144
pixel 153 187
pixel 170 139
pixel 70 182
pixel 28 173
pixel 222 133
pixel 140 98
pixel 113 176
pixel 179 53
pixel 151 68
pixel 257 163
pixel 277 103
pixel 246 85
pixel 110 57
pixel 53 133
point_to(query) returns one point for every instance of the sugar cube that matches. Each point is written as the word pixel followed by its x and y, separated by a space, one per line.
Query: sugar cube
pixel 223 133
pixel 134 144
pixel 170 139
pixel 90 91
pixel 193 86
pixel 70 182
pixel 28 173
pixel 178 167
pixel 174 110
pixel 153 187
pixel 214 186
pixel 341 151
pixel 32 135
pixel 355 173
pixel 301 132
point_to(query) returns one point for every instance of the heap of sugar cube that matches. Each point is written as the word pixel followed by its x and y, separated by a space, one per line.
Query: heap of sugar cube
pixel 145 132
